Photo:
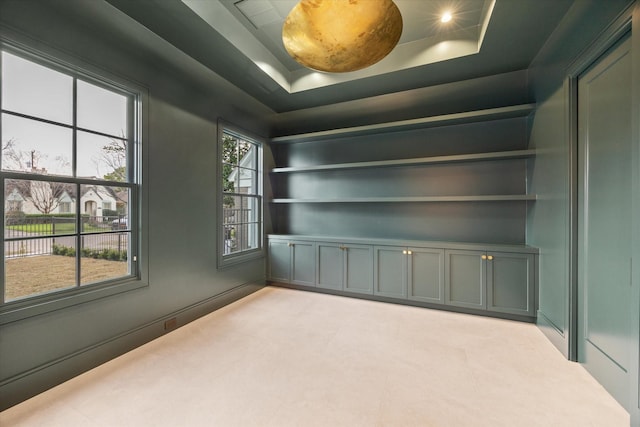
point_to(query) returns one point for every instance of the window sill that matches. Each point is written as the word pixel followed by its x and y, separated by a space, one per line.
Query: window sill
pixel 233 260
pixel 34 306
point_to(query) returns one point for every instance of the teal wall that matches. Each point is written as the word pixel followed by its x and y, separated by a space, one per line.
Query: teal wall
pixel 549 221
pixel 585 32
pixel 549 218
pixel 184 103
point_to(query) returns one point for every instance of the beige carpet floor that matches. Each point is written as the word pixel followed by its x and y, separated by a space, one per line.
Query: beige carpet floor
pixel 282 357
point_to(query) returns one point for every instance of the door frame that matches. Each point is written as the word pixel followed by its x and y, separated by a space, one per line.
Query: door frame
pixel 629 19
pixel 608 39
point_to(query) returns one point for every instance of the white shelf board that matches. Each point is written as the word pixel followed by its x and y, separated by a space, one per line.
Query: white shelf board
pixel 416 199
pixel 458 158
pixel 423 122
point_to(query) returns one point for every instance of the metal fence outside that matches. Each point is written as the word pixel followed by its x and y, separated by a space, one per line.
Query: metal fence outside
pixel 47 235
pixel 233 221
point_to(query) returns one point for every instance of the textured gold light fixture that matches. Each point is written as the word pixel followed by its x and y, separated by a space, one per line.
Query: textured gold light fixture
pixel 341 35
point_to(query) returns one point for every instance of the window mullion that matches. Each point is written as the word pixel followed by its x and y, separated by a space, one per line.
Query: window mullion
pixel 74 123
pixel 236 185
pixel 74 170
pixel 241 224
pixel 134 176
pixel 77 234
pixel 131 137
pixel 2 182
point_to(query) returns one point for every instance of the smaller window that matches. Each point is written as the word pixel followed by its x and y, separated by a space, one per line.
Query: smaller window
pixel 14 205
pixel 65 207
pixel 240 212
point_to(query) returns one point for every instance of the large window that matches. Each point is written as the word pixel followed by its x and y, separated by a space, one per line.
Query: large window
pixel 68 166
pixel 241 197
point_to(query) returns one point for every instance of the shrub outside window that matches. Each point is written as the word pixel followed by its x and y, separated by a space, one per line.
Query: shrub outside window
pixel 240 210
pixel 68 167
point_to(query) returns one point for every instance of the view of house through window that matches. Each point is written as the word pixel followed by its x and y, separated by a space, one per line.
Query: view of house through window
pixel 242 195
pixel 68 176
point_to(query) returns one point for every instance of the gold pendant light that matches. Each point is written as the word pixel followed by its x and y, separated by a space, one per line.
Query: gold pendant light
pixel 341 35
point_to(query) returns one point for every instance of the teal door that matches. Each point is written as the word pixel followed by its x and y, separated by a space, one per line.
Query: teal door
pixel 390 275
pixel 358 275
pixel 330 265
pixel 604 220
pixel 511 283
pixel 425 279
pixel 303 263
pixel 279 261
pixel 466 278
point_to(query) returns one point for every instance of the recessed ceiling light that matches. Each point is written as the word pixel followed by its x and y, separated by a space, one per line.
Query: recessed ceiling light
pixel 446 17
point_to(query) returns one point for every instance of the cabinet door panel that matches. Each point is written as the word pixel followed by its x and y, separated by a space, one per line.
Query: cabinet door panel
pixel 330 265
pixel 426 275
pixel 359 269
pixel 390 272
pixel 465 279
pixel 510 284
pixel 303 269
pixel 279 260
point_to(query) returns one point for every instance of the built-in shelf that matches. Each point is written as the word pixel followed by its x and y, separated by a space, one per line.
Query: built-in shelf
pixel 415 199
pixel 423 122
pixel 459 158
pixel 374 241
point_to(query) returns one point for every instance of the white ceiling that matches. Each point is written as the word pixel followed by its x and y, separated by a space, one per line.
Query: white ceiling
pixel 255 28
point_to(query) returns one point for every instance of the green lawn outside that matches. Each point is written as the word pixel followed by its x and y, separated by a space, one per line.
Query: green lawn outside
pixel 62 228
pixel 35 275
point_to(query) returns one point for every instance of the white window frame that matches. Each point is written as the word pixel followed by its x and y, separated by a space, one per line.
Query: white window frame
pixel 30 306
pixel 231 259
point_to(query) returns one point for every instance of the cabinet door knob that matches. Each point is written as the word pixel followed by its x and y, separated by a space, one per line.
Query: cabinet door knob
pixel 409 252
pixel 289 244
pixel 484 257
pixel 490 257
pixel 404 252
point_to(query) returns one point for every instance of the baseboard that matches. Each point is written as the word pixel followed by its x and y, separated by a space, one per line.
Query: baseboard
pixel 412 303
pixel 25 385
pixel 553 333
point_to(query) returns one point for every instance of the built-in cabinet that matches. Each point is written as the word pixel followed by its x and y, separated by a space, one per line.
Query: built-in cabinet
pixel 466 279
pixel 343 266
pixel 511 283
pixel 292 261
pixel 430 211
pixel 409 272
pixel 496 279
pixel 425 281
